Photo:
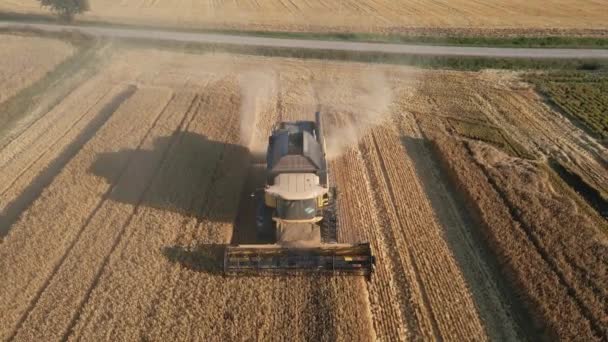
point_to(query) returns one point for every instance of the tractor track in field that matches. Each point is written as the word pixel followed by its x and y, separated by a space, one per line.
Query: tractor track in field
pixel 10 139
pixel 123 229
pixel 89 218
pixel 177 137
pixel 280 107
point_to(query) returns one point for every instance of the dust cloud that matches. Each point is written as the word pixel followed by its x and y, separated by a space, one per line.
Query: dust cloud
pixel 258 93
pixel 350 107
pixel 362 104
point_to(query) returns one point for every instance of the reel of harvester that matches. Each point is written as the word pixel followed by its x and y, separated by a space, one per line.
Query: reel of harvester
pixel 339 259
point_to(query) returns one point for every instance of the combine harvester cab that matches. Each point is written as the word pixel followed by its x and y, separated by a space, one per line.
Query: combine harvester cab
pixel 297 211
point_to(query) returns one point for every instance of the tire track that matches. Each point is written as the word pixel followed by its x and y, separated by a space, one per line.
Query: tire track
pixel 280 108
pixel 5 145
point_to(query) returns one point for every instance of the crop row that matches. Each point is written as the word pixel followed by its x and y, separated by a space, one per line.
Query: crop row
pixel 537 239
pixel 583 96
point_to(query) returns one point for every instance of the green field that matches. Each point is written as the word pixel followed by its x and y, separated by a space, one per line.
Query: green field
pixel 490 134
pixel 582 95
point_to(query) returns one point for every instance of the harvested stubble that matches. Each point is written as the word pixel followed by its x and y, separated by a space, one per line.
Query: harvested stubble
pixel 540 234
pixel 545 292
pixel 389 292
pixel 551 220
pixel 26 60
pixel 502 315
pixel 432 265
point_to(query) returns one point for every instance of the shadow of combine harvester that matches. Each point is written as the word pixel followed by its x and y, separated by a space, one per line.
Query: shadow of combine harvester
pixel 201 179
pixel 207 258
pixel 183 173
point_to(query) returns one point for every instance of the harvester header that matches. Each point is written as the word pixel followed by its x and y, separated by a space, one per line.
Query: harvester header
pixel 340 259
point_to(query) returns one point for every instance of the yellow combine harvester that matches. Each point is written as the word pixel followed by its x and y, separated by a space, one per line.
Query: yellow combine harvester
pixel 296 210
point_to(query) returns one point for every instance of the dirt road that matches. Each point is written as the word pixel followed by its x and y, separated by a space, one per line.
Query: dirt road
pixel 408 49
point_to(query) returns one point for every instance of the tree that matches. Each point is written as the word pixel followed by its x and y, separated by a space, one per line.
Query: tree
pixel 66 9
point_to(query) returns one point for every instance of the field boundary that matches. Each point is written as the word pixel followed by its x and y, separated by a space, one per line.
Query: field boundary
pixel 543 83
pixel 465 243
pixel 464 63
pixel 523 314
pixel 581 39
pixel 422 61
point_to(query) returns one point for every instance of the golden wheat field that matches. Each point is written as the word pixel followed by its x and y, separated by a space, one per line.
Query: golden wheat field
pixel 377 16
pixel 21 63
pixel 115 206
